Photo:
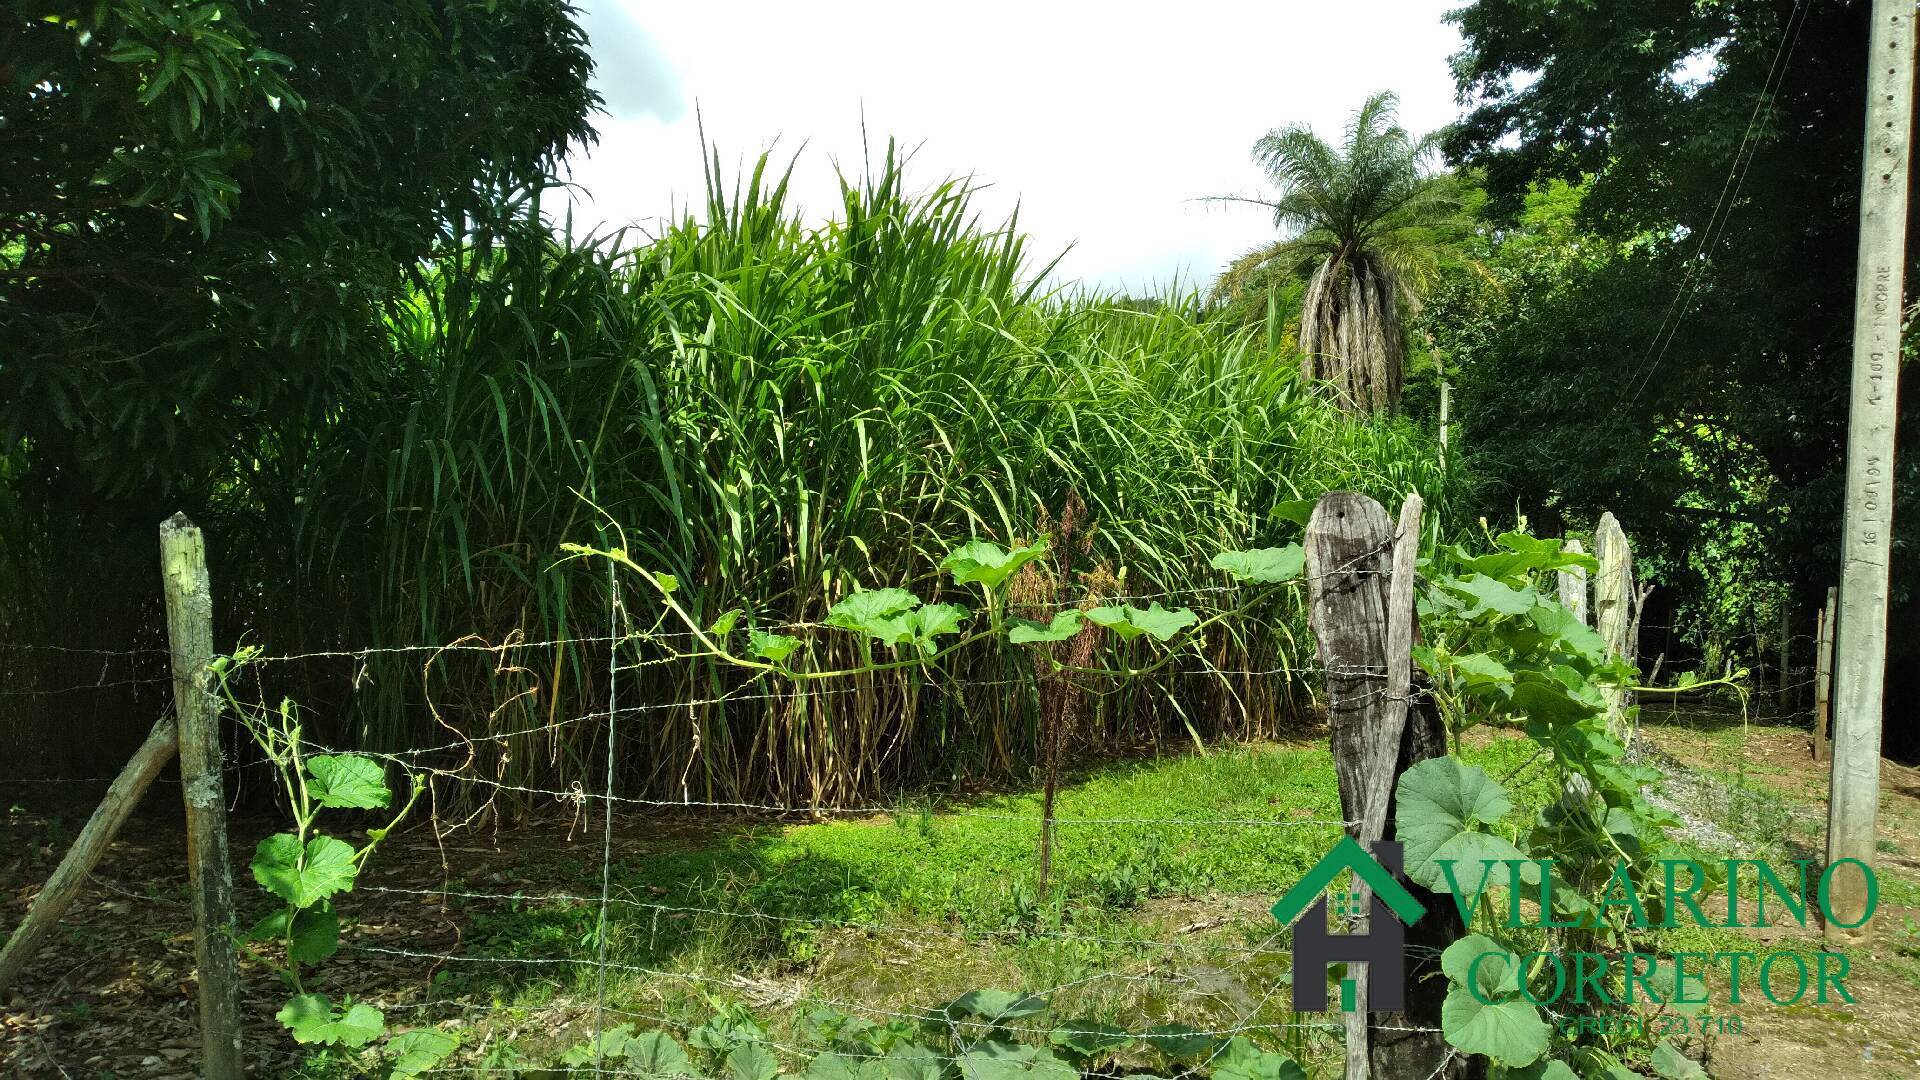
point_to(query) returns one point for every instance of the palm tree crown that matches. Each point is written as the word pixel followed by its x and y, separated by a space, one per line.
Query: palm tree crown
pixel 1367 226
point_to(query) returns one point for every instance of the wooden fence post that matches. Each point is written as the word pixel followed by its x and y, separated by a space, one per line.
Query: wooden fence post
pixel 1573 584
pixel 64 885
pixel 1613 598
pixel 1785 706
pixel 1823 674
pixel 1360 588
pixel 183 573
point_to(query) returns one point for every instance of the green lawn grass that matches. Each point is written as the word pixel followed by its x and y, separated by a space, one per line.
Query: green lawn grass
pixel 1162 873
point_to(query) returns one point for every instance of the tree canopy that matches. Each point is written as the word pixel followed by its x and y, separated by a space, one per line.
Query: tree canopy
pixel 1364 226
pixel 1684 360
pixel 205 207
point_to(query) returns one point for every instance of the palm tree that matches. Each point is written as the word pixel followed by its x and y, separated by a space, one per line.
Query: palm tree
pixel 1367 226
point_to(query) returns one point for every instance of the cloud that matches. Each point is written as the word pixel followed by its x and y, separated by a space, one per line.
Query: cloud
pixel 1102 124
pixel 631 73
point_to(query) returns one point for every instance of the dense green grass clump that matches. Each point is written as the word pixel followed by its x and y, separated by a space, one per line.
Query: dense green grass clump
pixel 777 414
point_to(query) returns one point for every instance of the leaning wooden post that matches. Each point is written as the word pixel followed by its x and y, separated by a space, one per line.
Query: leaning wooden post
pixel 87 848
pixel 183 574
pixel 1573 584
pixel 1613 606
pixel 1360 587
pixel 1823 676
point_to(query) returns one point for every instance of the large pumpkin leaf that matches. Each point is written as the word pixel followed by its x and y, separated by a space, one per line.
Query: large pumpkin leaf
pixel 911 1061
pixel 1546 698
pixel 752 1061
pixel 832 1066
pixel 612 1043
pixel 1179 1041
pixel 1479 669
pixel 1522 553
pixel 1566 630
pixel 656 1053
pixel 773 647
pixel 1497 975
pixel 1130 622
pixel 987 563
pixel 995 1005
pixel 1510 1032
pixel 1263 565
pixel 1241 1060
pixel 414 1052
pixel 327 868
pixel 1486 595
pixel 865 607
pixel 315 936
pixel 1089 1038
pixel 1064 625
pixel 1674 1065
pixel 348 782
pixel 1440 800
pixel 313 1019
pixel 992 1059
pixel 1552 1069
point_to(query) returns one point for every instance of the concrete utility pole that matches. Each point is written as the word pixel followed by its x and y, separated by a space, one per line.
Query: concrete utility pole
pixel 1860 653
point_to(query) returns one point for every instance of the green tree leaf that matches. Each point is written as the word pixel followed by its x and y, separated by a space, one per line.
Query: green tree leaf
pixel 1263 565
pixel 1509 1032
pixel 348 782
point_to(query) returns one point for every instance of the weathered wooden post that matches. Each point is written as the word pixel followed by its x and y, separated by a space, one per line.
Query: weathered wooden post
pixel 1613 606
pixel 1785 705
pixel 87 848
pixel 1823 675
pixel 183 573
pixel 1573 584
pixel 1360 588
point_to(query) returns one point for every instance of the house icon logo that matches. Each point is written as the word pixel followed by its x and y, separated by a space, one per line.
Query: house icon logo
pixel 1382 948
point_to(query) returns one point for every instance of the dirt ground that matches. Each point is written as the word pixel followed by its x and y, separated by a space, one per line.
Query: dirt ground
pixel 113 993
pixel 1877 1035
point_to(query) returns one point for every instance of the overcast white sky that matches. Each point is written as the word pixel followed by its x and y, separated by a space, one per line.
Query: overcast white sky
pixel 1104 121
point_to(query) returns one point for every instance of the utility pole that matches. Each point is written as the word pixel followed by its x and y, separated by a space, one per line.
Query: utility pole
pixel 1860 654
